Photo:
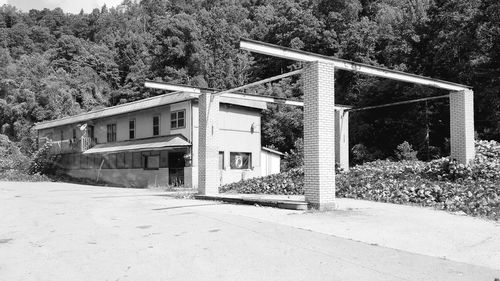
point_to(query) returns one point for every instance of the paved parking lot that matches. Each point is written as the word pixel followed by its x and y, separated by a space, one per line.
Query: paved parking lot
pixel 60 231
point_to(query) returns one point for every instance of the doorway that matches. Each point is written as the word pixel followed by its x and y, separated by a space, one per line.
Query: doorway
pixel 176 165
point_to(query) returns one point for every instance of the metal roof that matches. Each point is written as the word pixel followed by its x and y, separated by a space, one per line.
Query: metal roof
pixel 299 55
pixel 272 151
pixel 160 100
pixel 170 141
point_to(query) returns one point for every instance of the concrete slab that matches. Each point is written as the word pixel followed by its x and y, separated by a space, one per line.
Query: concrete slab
pixel 420 230
pixel 56 231
pixel 291 202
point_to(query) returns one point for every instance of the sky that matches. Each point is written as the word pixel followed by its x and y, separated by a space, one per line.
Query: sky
pixel 69 6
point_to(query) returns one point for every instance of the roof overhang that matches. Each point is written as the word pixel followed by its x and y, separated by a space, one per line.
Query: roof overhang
pixel 157 143
pixel 228 96
pixel 118 109
pixel 298 55
pixel 272 151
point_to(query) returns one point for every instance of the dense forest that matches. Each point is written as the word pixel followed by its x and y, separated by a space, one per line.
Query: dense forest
pixel 55 64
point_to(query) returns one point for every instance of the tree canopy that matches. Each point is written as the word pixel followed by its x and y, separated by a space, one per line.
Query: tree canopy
pixel 55 64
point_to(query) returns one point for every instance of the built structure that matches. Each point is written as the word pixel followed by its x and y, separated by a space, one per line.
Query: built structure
pixel 154 142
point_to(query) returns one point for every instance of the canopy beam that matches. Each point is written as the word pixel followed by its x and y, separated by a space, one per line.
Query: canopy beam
pixel 298 55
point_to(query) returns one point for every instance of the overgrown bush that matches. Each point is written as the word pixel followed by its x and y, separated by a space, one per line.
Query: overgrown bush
pixel 18 175
pixel 41 162
pixel 405 151
pixel 294 158
pixel 11 156
pixel 290 182
pixel 443 183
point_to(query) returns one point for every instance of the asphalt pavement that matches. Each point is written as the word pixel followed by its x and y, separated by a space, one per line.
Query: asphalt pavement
pixel 60 231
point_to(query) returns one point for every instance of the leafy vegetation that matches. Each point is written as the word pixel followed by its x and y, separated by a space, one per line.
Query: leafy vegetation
pixel 441 183
pixel 14 165
pixel 54 64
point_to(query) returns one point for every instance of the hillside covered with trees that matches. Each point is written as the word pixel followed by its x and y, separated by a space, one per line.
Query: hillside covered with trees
pixel 55 64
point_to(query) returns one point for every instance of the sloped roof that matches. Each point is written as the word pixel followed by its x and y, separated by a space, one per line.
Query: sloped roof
pixel 170 141
pixel 141 105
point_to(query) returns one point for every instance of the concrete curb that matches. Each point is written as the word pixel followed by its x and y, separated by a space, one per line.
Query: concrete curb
pixel 282 204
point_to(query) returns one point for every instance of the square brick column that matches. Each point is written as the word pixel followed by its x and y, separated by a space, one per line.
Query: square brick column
pixel 319 135
pixel 462 126
pixel 342 138
pixel 208 150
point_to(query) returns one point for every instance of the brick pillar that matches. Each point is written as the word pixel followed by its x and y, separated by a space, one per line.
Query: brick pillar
pixel 462 126
pixel 208 150
pixel 342 138
pixel 319 142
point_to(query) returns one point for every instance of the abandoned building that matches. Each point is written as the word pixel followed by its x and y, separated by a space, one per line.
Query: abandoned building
pixel 154 142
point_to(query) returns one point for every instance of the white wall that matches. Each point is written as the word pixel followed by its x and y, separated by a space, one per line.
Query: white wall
pixel 235 135
pixel 269 163
pixel 143 124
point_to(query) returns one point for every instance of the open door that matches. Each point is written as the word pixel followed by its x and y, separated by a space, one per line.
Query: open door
pixel 176 165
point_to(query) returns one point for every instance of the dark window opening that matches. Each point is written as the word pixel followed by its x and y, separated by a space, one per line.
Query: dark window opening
pixel 156 125
pixel 111 132
pixel 131 129
pixel 221 160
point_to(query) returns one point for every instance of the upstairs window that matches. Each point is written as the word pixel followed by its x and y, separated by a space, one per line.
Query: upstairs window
pixel 177 119
pixel 111 132
pixel 131 129
pixel 156 125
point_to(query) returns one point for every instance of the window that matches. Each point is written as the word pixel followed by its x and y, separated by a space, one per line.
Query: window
pixel 221 160
pixel 65 160
pixel 156 125
pixel 111 132
pixel 76 164
pixel 98 161
pixel 131 129
pixel 177 119
pixel 240 160
pixel 136 160
pixel 120 160
pixel 90 161
pixel 74 133
pixel 112 161
pixel 128 160
pixel 84 162
pixel 105 165
pixel 164 159
pixel 72 161
pixel 152 162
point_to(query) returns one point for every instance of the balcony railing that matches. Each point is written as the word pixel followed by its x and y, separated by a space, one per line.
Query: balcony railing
pixel 86 143
pixel 70 146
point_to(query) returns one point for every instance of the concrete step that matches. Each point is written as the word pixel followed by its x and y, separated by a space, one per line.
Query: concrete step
pixel 259 200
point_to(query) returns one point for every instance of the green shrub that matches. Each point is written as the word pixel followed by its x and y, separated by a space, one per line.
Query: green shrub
pixel 405 151
pixel 287 183
pixel 42 162
pixel 11 156
pixel 442 183
pixel 17 175
pixel 294 158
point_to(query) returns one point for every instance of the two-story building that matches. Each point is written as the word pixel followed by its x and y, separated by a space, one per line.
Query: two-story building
pixel 154 142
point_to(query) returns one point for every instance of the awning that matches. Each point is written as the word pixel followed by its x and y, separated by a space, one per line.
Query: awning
pixel 156 143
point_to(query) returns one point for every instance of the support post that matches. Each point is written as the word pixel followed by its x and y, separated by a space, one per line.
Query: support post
pixel 208 150
pixel 319 132
pixel 342 138
pixel 462 126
